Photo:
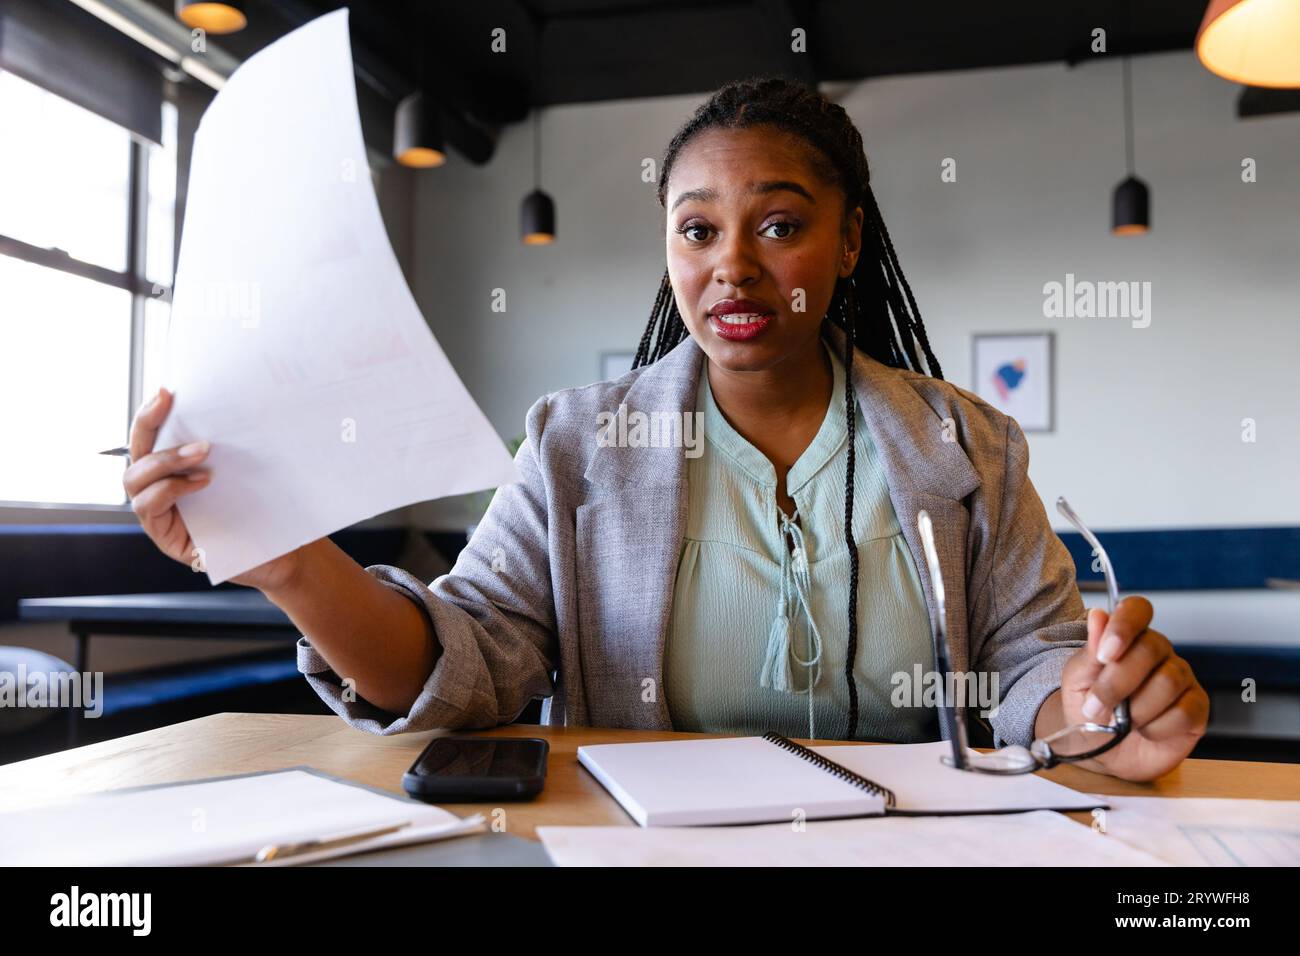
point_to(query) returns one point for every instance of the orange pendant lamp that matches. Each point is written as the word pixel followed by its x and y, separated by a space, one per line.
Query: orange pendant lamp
pixel 224 17
pixel 1255 42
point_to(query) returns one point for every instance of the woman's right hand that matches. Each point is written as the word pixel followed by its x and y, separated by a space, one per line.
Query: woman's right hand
pixel 155 480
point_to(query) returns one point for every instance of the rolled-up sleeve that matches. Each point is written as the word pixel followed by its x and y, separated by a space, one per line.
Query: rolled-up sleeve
pixel 492 616
pixel 1033 619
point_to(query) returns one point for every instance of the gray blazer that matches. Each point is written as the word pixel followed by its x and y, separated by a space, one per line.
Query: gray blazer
pixel 586 546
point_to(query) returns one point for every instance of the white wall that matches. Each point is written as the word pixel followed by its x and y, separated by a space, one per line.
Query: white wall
pixel 1148 420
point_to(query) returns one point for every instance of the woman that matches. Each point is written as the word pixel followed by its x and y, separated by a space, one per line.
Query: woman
pixel 637 584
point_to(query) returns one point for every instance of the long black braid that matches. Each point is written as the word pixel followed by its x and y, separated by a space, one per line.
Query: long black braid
pixel 883 321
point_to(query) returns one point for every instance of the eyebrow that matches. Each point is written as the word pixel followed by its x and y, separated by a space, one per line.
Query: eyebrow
pixel 706 194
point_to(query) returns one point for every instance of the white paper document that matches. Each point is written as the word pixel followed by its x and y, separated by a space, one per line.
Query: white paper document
pixel 1039 838
pixel 224 821
pixel 1205 832
pixel 295 346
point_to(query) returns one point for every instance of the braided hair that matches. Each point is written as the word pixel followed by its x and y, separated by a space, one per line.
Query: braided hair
pixel 874 306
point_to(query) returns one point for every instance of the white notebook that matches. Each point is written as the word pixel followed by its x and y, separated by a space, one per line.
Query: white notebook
pixel 769 779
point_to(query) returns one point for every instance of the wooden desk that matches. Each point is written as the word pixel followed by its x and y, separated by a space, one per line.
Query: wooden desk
pixel 226 744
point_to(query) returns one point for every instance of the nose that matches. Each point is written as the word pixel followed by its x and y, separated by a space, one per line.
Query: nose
pixel 736 265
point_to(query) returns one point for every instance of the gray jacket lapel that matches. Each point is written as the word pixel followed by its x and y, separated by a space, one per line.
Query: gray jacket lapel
pixel 629 536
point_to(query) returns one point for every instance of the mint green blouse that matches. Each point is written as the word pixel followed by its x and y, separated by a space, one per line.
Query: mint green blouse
pixel 760 602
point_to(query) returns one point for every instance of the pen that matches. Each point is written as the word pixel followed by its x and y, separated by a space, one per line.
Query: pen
pixel 122 452
pixel 277 851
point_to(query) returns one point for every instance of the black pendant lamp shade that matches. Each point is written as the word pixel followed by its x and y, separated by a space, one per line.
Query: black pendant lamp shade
pixel 537 214
pixel 1131 208
pixel 417 133
pixel 226 16
pixel 537 219
pixel 1131 203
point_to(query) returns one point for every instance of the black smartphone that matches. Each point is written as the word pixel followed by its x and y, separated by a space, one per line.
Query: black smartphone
pixel 458 769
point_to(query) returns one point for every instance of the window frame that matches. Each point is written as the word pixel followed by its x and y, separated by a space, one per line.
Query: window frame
pixel 133 279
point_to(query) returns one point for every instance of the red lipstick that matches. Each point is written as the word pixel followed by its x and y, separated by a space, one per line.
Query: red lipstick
pixel 740 320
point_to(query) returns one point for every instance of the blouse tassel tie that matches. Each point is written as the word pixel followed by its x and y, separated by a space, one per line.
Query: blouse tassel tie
pixel 796 582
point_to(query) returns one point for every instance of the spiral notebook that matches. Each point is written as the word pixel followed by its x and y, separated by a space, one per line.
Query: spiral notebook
pixel 770 779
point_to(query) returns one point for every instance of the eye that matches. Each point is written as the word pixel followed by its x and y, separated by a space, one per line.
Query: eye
pixel 696 232
pixel 691 227
pixel 789 224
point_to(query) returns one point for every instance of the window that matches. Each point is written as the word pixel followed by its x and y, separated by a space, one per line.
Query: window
pixel 86 238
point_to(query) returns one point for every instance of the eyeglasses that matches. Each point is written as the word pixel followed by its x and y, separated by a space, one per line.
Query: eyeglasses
pixel 1068 745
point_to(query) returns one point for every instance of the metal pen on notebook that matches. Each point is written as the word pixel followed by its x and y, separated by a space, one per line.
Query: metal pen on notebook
pixel 279 851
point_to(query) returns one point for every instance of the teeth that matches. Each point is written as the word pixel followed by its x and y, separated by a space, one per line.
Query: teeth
pixel 741 318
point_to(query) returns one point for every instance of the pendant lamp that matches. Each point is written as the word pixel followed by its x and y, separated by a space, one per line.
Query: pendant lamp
pixel 537 216
pixel 224 17
pixel 1255 42
pixel 1131 203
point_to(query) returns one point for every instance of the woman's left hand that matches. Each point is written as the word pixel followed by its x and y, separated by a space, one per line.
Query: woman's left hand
pixel 1125 658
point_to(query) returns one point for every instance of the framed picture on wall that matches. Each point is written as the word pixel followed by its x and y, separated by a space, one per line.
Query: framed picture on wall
pixel 614 364
pixel 1014 373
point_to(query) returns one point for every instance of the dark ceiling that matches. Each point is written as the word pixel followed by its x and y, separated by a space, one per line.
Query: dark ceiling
pixel 577 51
